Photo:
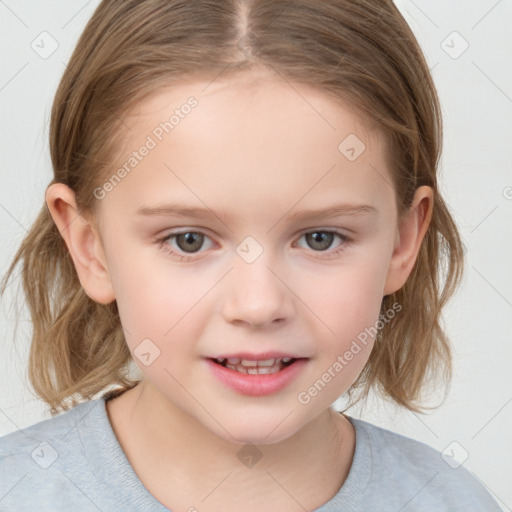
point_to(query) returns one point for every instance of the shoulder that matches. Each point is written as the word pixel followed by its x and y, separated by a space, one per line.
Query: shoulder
pixel 47 464
pixel 70 462
pixel 47 443
pixel 415 476
pixel 44 441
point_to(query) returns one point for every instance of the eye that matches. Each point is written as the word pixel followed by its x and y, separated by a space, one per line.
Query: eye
pixel 183 244
pixel 321 240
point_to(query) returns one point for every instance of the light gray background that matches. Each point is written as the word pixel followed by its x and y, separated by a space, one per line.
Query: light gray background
pixel 476 95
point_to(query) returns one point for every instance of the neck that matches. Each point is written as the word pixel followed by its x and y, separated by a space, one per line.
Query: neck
pixel 177 458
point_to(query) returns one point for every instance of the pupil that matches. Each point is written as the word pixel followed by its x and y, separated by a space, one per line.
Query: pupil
pixel 189 242
pixel 321 237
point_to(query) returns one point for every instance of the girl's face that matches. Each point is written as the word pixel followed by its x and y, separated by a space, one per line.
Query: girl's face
pixel 292 225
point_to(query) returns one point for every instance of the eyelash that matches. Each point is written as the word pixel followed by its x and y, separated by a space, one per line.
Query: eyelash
pixel 346 241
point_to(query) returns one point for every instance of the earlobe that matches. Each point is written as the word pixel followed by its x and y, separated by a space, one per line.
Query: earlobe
pixel 83 242
pixel 410 234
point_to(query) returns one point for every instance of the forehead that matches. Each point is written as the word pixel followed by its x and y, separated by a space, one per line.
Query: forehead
pixel 252 100
pixel 254 137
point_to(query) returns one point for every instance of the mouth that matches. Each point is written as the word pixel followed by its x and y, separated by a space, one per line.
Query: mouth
pixel 255 367
pixel 256 374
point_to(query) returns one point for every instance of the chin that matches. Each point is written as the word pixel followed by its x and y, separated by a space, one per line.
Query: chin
pixel 254 430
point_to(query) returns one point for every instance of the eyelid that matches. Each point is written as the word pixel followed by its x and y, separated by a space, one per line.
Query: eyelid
pixel 163 244
pixel 183 256
pixel 345 239
pixel 174 234
pixel 298 234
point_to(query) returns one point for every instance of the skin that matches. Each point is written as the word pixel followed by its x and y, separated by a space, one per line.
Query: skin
pixel 258 149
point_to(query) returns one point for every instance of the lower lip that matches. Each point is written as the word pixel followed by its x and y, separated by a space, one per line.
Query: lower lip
pixel 257 385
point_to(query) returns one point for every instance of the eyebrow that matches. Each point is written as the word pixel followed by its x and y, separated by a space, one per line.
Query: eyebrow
pixel 184 211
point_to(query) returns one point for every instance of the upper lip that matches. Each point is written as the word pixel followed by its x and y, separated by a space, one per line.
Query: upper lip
pixel 264 356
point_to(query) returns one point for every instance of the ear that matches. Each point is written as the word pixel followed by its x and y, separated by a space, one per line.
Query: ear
pixel 410 233
pixel 83 242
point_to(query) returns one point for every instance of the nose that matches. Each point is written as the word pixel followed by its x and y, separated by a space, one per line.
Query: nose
pixel 256 295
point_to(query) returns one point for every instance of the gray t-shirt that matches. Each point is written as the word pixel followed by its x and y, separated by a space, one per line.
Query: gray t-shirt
pixel 74 462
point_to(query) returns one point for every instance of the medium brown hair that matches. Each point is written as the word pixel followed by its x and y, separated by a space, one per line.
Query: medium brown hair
pixel 361 51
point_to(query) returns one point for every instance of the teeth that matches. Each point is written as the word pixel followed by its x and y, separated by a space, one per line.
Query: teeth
pixel 253 367
pixel 231 367
pixel 246 362
pixel 252 364
pixel 268 362
pixel 254 370
pixel 265 371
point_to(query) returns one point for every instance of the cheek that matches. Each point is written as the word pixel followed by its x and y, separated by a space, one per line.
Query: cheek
pixel 149 302
pixel 347 304
pixel 168 309
pixel 348 300
pixel 348 311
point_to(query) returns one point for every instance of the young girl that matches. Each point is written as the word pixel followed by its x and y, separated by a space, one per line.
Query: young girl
pixel 245 205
